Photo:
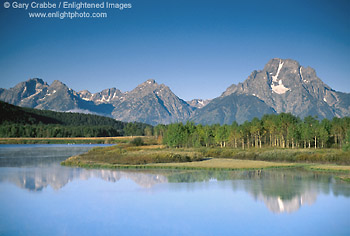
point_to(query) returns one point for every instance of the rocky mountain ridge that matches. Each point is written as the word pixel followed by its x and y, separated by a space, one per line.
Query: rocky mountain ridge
pixel 282 86
pixel 149 102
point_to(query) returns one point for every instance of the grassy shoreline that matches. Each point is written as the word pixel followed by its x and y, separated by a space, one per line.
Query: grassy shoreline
pixel 210 164
pixel 215 164
pixel 151 156
pixel 127 156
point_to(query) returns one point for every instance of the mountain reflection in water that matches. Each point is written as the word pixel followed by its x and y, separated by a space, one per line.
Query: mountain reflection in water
pixel 280 190
pixel 36 179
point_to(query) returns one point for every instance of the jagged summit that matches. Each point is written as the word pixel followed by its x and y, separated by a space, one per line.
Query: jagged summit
pixel 58 83
pixel 112 96
pixel 151 83
pixel 36 80
pixel 148 84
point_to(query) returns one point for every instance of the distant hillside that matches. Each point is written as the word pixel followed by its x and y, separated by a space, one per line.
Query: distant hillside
pixel 11 114
pixel 27 122
pixel 234 107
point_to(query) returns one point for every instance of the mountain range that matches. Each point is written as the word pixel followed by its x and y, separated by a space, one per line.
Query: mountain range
pixel 282 86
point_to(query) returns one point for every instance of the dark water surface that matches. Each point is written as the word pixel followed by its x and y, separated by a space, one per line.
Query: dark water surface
pixel 40 197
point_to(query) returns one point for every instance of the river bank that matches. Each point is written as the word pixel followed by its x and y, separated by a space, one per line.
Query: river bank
pixel 126 156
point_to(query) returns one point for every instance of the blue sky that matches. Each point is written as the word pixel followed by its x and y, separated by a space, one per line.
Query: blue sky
pixel 196 47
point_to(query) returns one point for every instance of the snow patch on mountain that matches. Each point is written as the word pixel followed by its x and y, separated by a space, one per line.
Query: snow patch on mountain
pixel 49 94
pixel 275 77
pixel 301 75
pixel 280 88
pixel 198 103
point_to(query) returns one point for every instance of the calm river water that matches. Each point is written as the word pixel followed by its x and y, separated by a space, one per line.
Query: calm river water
pixel 40 197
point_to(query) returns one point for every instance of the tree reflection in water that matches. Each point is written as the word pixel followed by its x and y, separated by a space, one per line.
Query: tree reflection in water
pixel 282 190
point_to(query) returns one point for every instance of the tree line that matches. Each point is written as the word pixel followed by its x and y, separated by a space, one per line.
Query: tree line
pixel 58 131
pixel 283 130
pixel 27 122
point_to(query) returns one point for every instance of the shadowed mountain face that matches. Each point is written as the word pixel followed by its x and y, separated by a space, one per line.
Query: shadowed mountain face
pixel 233 107
pixel 282 86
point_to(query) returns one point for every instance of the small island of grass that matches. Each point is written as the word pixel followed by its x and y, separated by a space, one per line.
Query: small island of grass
pixel 137 154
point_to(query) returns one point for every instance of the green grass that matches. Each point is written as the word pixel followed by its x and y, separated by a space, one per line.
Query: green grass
pixel 325 156
pixel 158 156
pixel 126 154
pixel 211 164
pixel 227 164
